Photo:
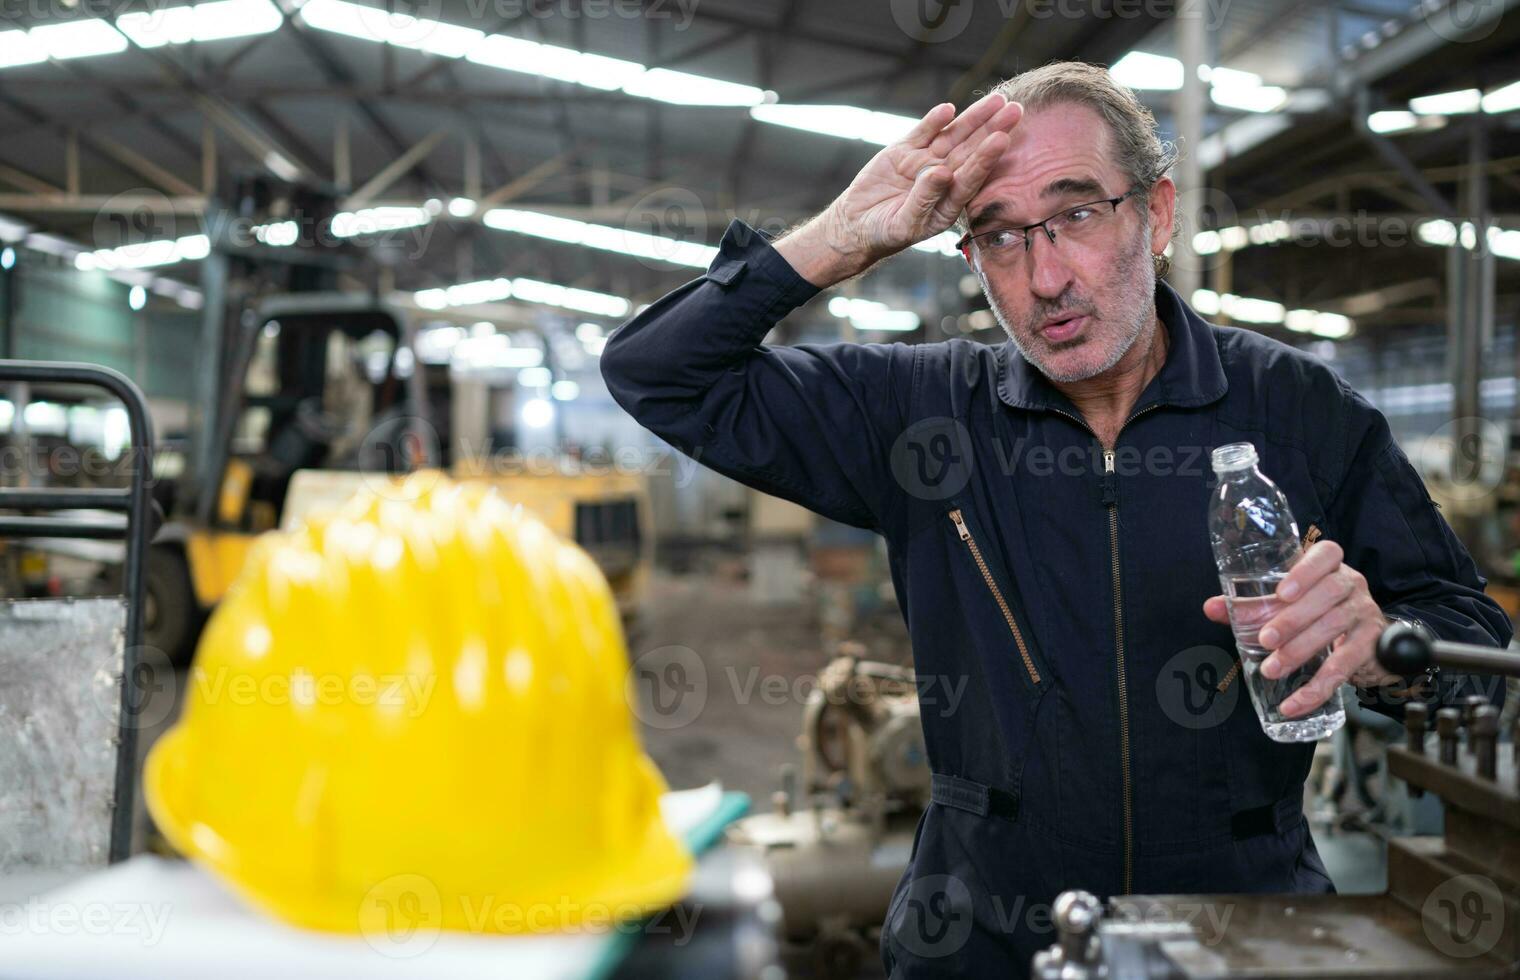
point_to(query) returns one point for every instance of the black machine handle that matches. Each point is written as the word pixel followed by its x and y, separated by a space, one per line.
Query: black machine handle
pixel 1408 648
pixel 137 530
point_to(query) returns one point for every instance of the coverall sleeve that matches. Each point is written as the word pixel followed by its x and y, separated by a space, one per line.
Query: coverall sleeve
pixel 1416 568
pixel 812 423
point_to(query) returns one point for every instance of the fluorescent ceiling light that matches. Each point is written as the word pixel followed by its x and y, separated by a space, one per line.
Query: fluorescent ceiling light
pixel 279 234
pixel 1392 121
pixel 212 21
pixel 525 290
pixel 1260 98
pixel 553 61
pixel 1502 99
pixel 680 88
pixel 865 314
pixel 1228 77
pixel 78 39
pixel 1142 70
pixel 462 207
pixel 370 221
pixel 146 255
pixel 534 377
pixel 604 237
pixel 16 48
pixel 375 24
pixel 847 121
pixel 1448 103
pixel 941 244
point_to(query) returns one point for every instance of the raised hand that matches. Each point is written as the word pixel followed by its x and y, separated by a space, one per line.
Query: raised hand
pixel 911 190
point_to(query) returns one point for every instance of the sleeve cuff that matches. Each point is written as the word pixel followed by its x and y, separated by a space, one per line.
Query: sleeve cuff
pixel 747 254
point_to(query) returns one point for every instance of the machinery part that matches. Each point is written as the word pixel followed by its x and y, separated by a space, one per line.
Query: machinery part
pixel 1408 648
pixel 1414 726
pixel 841 834
pixel 171 616
pixel 1448 724
pixel 136 502
pixel 1483 736
pixel 385 644
pixel 1076 954
pixel 832 868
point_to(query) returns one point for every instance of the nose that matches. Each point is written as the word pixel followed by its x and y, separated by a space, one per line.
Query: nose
pixel 1049 271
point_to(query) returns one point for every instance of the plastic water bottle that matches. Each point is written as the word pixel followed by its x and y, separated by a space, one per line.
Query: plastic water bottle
pixel 1255 543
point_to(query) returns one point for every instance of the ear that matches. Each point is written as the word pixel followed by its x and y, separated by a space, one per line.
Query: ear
pixel 1162 205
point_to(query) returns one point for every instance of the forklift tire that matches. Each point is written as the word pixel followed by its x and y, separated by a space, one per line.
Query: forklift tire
pixel 171 615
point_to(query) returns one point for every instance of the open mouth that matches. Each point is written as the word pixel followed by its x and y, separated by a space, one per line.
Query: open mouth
pixel 1064 328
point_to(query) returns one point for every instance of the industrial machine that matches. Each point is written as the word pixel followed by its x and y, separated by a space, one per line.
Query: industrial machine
pixel 840 836
pixel 1452 907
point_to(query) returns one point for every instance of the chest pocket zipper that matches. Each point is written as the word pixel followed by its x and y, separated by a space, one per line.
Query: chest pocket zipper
pixel 959 520
pixel 1310 536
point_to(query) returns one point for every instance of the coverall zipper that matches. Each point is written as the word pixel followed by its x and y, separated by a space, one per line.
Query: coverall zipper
pixel 1111 501
pixel 976 553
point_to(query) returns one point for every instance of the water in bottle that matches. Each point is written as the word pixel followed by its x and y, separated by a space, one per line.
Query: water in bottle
pixel 1255 543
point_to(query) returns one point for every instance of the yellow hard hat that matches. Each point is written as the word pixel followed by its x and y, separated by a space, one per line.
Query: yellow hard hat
pixel 421 692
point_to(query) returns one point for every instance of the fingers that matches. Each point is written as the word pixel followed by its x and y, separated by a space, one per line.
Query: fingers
pixel 923 133
pixel 929 189
pixel 1217 609
pixel 1322 558
pixel 972 174
pixel 1311 640
pixel 1334 672
pixel 1292 618
pixel 966 123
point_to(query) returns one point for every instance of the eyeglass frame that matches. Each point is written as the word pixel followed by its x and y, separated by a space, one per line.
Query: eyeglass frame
pixel 964 245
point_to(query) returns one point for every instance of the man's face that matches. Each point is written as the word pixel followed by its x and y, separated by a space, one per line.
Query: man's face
pixel 1074 307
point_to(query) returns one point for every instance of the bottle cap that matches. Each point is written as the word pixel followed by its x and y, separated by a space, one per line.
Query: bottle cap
pixel 1235 456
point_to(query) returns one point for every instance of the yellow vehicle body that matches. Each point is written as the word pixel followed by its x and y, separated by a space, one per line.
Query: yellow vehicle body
pixel 607 514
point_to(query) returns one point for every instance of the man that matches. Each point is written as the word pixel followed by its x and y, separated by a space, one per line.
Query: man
pixel 1044 504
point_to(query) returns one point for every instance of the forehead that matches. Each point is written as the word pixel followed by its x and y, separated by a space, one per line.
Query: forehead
pixel 1059 141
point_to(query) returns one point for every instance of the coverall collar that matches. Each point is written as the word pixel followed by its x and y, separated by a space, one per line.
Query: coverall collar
pixel 1192 374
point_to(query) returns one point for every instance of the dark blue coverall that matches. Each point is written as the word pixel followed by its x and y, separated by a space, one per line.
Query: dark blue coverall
pixel 1061 584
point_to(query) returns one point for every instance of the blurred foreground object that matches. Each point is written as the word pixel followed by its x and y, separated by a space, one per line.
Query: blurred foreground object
pixel 416 702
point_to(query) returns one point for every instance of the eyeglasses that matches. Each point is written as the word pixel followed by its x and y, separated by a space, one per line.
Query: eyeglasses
pixel 1082 223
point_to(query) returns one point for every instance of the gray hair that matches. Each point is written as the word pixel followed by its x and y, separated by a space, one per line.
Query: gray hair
pixel 1136 147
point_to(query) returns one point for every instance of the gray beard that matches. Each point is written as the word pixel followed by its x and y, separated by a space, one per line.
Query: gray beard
pixel 1137 299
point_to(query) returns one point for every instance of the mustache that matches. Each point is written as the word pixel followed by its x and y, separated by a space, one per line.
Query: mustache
pixel 1060 311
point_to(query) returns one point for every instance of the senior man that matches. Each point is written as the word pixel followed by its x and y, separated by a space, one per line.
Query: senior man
pixel 1044 506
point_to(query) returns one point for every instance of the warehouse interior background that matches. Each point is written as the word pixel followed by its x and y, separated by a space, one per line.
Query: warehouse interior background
pixel 340 238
